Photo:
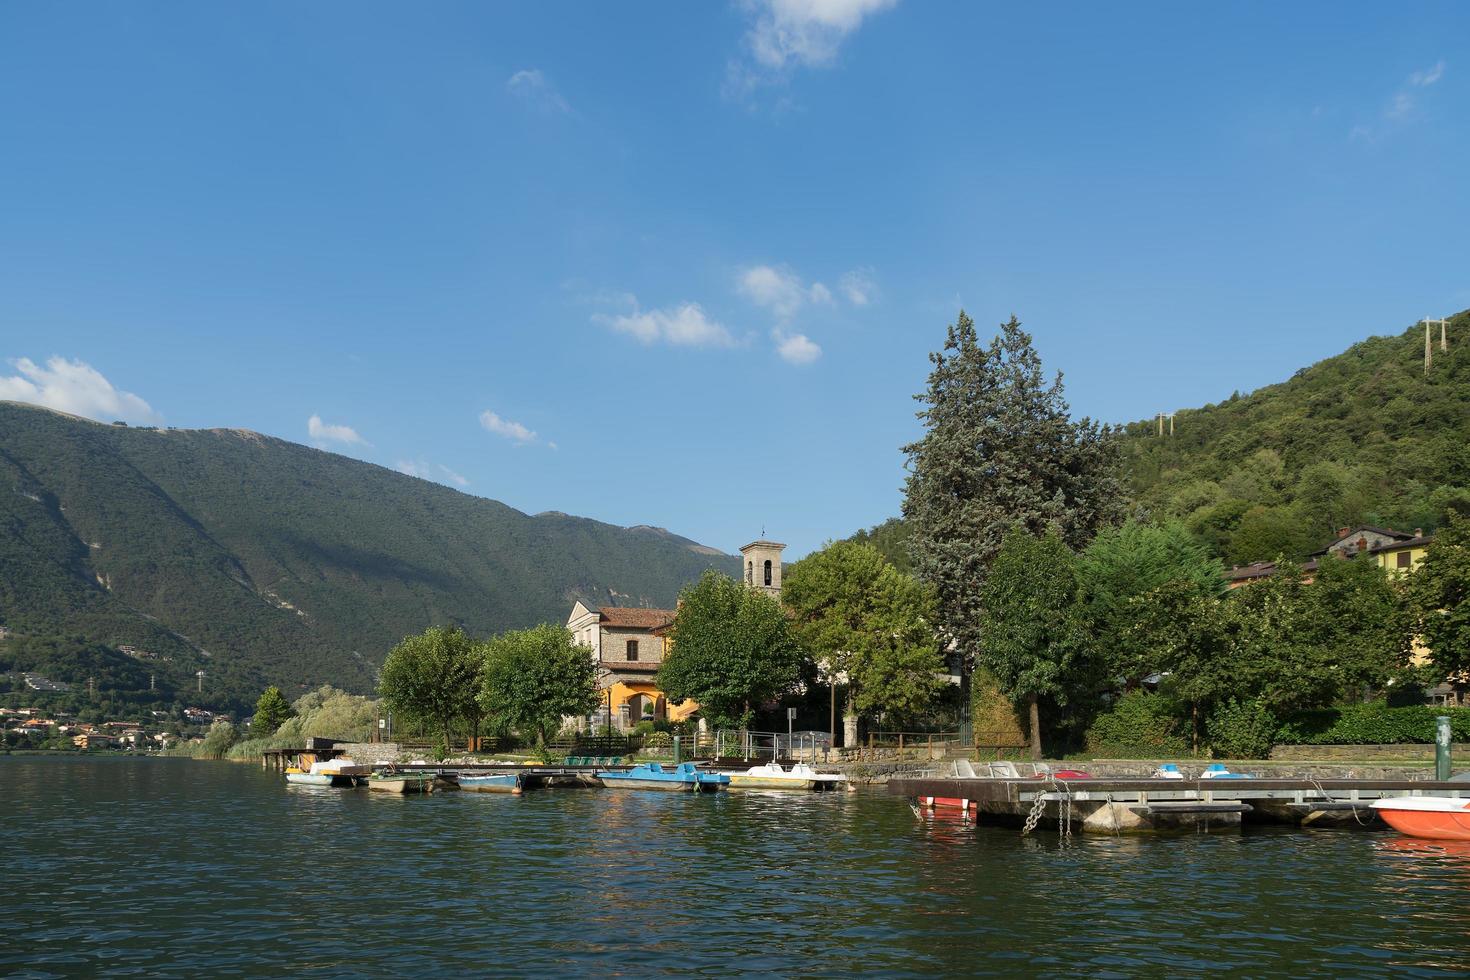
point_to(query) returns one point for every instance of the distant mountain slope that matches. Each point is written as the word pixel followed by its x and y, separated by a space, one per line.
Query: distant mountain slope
pixel 260 560
pixel 1364 436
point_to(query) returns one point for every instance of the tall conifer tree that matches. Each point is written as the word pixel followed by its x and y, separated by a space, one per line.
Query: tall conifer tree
pixel 1000 449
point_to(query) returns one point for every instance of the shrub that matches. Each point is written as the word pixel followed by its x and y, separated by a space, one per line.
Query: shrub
pixel 644 728
pixel 1241 730
pixel 221 736
pixel 1139 723
pixel 1374 723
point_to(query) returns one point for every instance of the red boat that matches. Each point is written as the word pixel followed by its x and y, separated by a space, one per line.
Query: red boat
pixel 1431 817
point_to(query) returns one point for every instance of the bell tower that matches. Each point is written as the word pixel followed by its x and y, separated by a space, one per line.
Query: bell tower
pixel 762 566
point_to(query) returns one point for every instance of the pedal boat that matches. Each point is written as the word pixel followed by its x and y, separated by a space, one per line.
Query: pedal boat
pixel 495 782
pixel 683 778
pixel 328 773
pixel 771 776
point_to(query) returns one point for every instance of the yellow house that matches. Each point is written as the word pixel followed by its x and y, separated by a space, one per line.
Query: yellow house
pixel 1402 556
pixel 628 644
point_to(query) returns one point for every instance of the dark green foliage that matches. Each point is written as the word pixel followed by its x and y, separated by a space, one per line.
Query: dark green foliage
pixel 1000 451
pixel 732 650
pixel 1140 723
pixel 1374 723
pixel 532 678
pixel 288 565
pixel 1125 563
pixel 1033 637
pixel 892 541
pixel 1361 437
pixel 271 712
pixel 1439 597
pixel 1242 730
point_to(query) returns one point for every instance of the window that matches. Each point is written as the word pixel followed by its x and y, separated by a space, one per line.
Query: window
pixel 768 571
pixel 632 649
pixel 750 573
pixel 1403 559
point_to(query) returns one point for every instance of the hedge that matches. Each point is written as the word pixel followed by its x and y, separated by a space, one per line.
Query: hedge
pixel 1370 724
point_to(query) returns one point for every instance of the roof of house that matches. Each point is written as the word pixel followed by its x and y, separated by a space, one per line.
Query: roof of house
pixel 1262 569
pixel 1414 542
pixel 632 617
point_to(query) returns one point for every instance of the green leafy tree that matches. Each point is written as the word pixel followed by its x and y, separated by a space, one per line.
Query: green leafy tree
pixel 1130 561
pixel 1439 597
pixel 999 449
pixel 433 679
pixel 863 618
pixel 217 741
pixel 1032 635
pixel 532 678
pixel 1362 624
pixel 271 712
pixel 732 649
pixel 1187 631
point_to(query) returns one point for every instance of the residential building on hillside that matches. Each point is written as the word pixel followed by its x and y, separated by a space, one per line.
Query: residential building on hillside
pixel 629 643
pixel 1397 551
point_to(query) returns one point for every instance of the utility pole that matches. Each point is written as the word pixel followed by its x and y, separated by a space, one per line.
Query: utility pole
pixel 199 678
pixel 152 679
pixel 1428 350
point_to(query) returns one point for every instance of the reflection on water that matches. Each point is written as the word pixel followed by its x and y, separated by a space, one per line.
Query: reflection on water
pixel 144 866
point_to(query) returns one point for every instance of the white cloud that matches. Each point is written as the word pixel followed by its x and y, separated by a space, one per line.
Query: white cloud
pixel 796 348
pixel 1428 76
pixel 409 467
pixel 323 432
pixel 455 478
pixel 685 325
pixel 74 387
pixel 513 431
pixel 780 290
pixel 859 286
pixel 789 34
pixel 533 88
pixel 805 32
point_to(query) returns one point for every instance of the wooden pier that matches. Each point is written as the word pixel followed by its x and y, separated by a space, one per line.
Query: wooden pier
pixel 1104 805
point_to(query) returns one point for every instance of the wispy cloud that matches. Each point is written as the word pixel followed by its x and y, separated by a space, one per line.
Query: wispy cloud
pixel 322 432
pixel 409 467
pixel 683 325
pixel 859 286
pixel 788 34
pixel 75 387
pixel 427 471
pixel 453 477
pixel 514 431
pixel 533 88
pixel 1403 107
pixel 795 348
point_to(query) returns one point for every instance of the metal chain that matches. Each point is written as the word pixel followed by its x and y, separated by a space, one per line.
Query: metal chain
pixel 1034 816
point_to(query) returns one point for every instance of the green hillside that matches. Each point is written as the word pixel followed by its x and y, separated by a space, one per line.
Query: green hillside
pixel 1364 437
pixel 262 561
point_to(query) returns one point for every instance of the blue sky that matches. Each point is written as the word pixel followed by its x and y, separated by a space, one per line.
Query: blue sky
pixel 682 263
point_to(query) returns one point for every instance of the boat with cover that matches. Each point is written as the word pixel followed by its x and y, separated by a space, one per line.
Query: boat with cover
pixel 327 773
pixel 772 776
pixel 491 782
pixel 401 782
pixel 1431 817
pixel 683 778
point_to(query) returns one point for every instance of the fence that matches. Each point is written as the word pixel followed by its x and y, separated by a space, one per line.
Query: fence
pixel 898 744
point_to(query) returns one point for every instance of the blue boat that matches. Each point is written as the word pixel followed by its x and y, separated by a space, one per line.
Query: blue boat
pixel 683 778
pixel 495 782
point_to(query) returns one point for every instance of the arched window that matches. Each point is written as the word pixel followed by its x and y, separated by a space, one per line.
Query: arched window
pixel 768 571
pixel 750 573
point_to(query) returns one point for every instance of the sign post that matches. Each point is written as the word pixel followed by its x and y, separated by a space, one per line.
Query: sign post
pixel 1442 747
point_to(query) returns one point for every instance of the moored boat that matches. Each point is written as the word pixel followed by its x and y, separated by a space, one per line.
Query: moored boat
pixel 683 778
pixel 1430 817
pixel 772 776
pixel 493 782
pixel 332 772
pixel 401 782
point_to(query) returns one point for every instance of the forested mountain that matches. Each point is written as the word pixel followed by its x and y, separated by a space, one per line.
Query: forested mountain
pixel 1363 437
pixel 263 561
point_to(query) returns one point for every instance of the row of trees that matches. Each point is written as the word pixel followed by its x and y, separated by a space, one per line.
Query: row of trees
pixel 445 682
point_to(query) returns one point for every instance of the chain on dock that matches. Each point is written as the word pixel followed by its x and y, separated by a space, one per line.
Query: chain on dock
pixel 1034 816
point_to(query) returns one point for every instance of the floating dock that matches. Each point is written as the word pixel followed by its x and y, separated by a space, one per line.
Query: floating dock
pixel 1130 805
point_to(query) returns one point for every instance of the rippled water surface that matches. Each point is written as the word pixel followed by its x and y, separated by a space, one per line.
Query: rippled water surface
pixel 169 866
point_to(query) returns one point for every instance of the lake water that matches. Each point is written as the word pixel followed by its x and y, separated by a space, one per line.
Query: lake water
pixel 120 867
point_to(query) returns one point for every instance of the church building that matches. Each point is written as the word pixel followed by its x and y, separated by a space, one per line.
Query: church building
pixel 629 643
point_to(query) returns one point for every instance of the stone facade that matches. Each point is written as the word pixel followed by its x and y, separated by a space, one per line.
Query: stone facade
pixel 761 566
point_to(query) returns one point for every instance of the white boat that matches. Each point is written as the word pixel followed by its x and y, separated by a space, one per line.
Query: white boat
pixel 772 776
pixel 327 773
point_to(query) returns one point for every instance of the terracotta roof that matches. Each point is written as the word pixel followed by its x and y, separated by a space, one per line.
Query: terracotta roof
pixel 1262 569
pixel 630 666
pixel 630 617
